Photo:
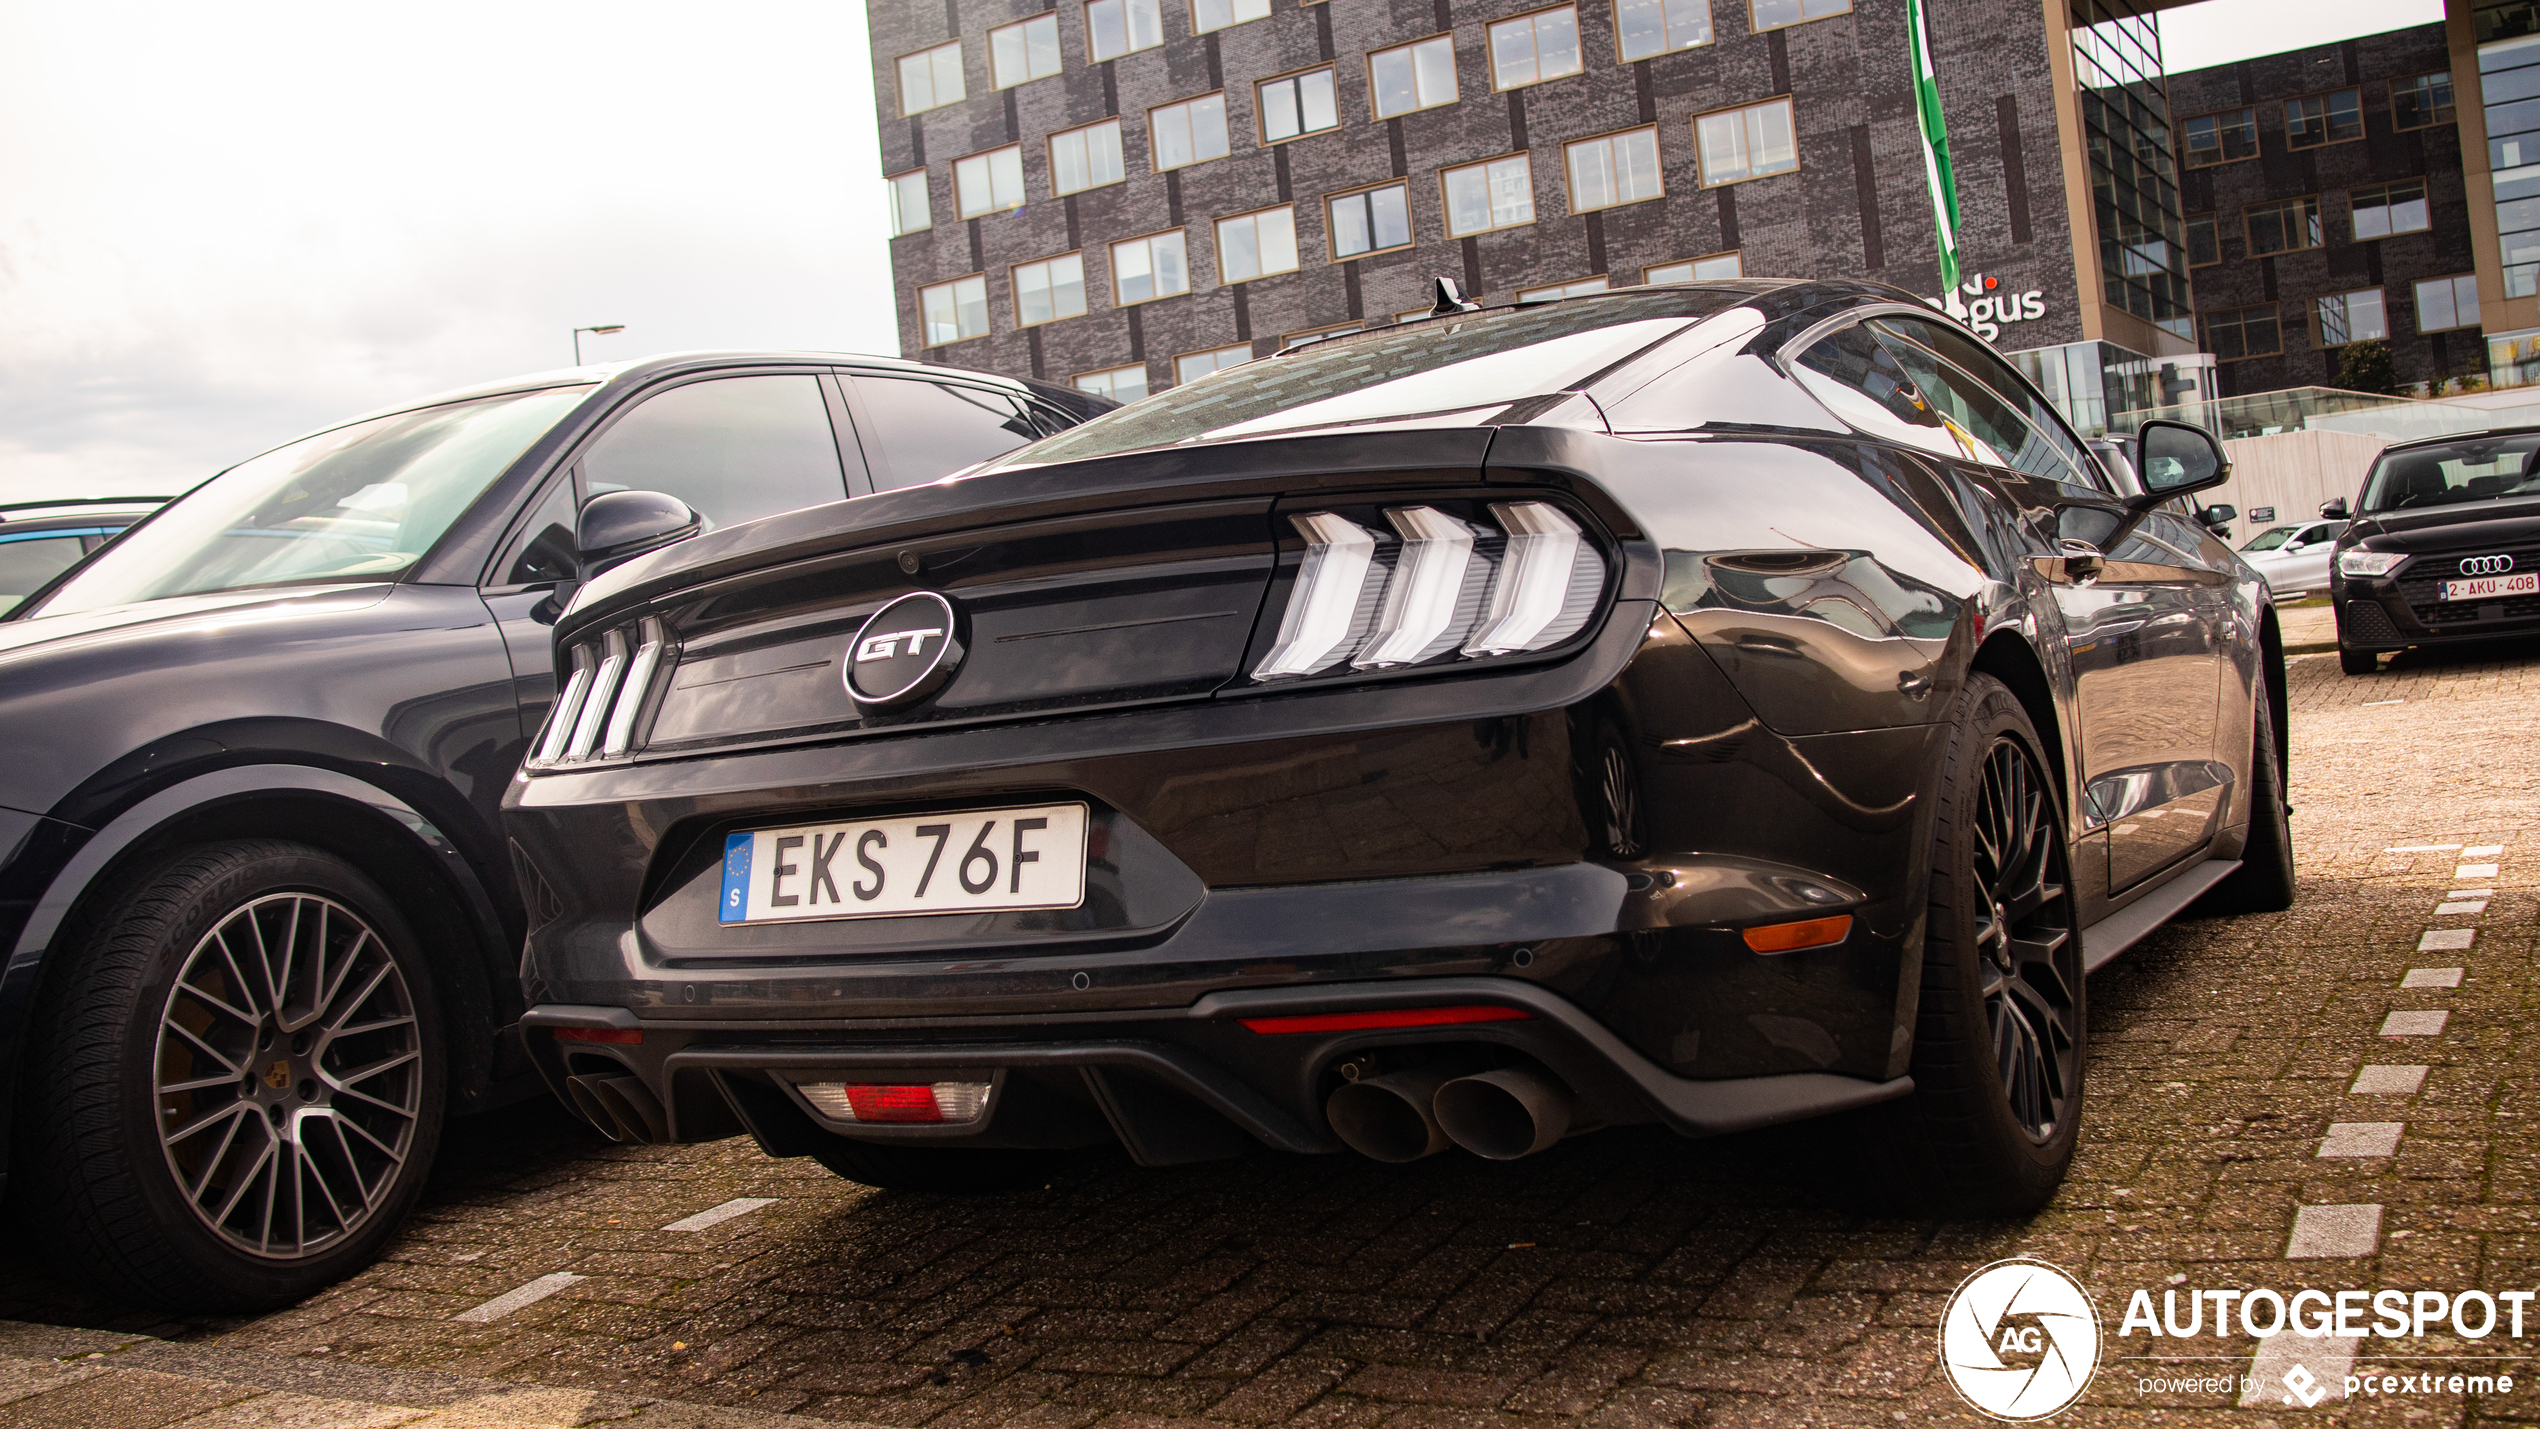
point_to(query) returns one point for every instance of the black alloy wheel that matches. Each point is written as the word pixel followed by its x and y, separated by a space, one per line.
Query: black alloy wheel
pixel 2002 1025
pixel 236 1088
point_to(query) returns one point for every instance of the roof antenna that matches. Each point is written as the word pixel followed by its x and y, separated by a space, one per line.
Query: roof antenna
pixel 1451 300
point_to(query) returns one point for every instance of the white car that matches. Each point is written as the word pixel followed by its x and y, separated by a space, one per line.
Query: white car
pixel 2294 559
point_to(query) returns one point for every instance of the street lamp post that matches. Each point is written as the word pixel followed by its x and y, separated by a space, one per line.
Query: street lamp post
pixel 602 328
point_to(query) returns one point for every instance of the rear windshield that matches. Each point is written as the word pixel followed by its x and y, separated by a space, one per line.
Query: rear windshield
pixel 1450 368
pixel 2474 469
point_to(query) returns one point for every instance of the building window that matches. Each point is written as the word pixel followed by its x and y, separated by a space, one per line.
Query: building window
pixel 1533 48
pixel 1027 51
pixel 1209 15
pixel 1191 366
pixel 2283 227
pixel 1773 14
pixel 1256 245
pixel 2341 318
pixel 2447 303
pixel 1051 289
pixel 2422 101
pixel 2324 119
pixel 931 79
pixel 1298 104
pixel 1086 158
pixel 1497 193
pixel 1120 384
pixel 990 182
pixel 1718 265
pixel 1144 269
pixel 1576 288
pixel 1371 221
pixel 1616 169
pixel 955 310
pixel 1654 27
pixel 2508 77
pixel 1115 27
pixel 909 208
pixel 2204 242
pixel 1191 132
pixel 1749 143
pixel 2243 332
pixel 1419 75
pixel 2222 138
pixel 2393 208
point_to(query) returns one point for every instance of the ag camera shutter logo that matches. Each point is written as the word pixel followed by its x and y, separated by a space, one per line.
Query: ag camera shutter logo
pixel 903 652
pixel 2019 1340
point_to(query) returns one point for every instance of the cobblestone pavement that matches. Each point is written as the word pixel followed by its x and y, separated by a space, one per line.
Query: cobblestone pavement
pixel 1625 1277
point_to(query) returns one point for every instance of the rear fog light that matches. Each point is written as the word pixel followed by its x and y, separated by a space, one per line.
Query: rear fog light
pixel 885 1103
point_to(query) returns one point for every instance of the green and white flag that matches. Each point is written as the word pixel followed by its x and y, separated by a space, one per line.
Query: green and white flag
pixel 1935 136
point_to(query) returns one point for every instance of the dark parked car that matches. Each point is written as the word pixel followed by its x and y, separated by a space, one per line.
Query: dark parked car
pixel 260 918
pixel 41 539
pixel 1709 705
pixel 2443 546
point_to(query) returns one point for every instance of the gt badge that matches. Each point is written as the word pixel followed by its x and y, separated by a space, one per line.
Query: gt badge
pixel 904 652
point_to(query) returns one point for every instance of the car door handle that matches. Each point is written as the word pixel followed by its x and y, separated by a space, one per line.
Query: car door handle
pixel 2082 560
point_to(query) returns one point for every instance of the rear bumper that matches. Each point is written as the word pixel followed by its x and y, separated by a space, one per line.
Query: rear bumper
pixel 1171 1086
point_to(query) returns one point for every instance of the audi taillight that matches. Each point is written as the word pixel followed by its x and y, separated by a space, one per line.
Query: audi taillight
pixel 1434 588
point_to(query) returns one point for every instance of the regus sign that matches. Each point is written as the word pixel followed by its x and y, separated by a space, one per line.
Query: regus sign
pixel 1982 303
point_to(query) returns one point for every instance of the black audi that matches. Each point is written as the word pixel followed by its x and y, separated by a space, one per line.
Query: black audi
pixel 1709 705
pixel 2443 546
pixel 262 928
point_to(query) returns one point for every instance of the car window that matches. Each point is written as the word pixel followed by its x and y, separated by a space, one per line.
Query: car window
pixel 1986 427
pixel 1865 385
pixel 544 548
pixel 28 561
pixel 929 430
pixel 733 448
pixel 2270 538
pixel 1967 356
pixel 2470 469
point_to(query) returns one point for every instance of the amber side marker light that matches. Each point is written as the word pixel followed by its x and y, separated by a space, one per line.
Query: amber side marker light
pixel 1791 937
pixel 1405 1017
pixel 629 1035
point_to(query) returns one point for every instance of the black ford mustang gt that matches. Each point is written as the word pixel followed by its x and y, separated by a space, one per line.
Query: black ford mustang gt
pixel 1710 705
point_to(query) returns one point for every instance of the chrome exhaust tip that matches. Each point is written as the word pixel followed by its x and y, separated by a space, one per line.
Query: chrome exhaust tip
pixel 638 1115
pixel 583 1093
pixel 1388 1118
pixel 1504 1113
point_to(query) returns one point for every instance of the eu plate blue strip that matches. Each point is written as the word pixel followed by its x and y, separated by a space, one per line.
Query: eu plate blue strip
pixel 735 906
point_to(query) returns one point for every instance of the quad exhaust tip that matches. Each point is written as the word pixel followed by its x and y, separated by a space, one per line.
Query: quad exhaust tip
pixel 1404 1116
pixel 620 1107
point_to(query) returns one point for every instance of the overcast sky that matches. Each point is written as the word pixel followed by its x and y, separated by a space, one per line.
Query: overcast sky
pixel 223 225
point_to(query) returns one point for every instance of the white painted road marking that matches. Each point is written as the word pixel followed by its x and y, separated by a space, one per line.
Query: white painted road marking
pixel 719 1214
pixel 2446 940
pixel 2414 1024
pixel 2471 893
pixel 2482 850
pixel 2424 848
pixel 2328 1361
pixel 2432 977
pixel 2334 1232
pixel 2388 1081
pixel 2375 704
pixel 2461 909
pixel 529 1294
pixel 2362 1138
pixel 2475 870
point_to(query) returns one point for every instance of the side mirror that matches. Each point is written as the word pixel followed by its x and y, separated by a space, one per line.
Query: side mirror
pixel 2334 508
pixel 2177 459
pixel 618 526
pixel 2216 515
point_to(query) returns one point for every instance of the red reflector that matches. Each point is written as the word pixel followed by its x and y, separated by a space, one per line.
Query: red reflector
pixel 1791 937
pixel 599 1034
pixel 1405 1017
pixel 880 1103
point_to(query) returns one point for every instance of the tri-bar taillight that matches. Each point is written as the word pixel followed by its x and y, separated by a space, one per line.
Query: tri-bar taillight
pixel 595 712
pixel 1434 588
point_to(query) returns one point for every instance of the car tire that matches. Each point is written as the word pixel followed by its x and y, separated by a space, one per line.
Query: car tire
pixel 2264 882
pixel 955 1170
pixel 2357 662
pixel 305 1120
pixel 2001 1028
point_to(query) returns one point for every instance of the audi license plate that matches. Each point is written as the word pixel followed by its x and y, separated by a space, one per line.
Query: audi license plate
pixel 980 860
pixel 2488 587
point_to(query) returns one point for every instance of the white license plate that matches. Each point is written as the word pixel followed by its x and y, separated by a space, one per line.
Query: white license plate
pixel 2488 587
pixel 980 860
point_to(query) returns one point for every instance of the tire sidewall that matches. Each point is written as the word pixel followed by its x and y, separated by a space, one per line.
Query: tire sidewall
pixel 277 868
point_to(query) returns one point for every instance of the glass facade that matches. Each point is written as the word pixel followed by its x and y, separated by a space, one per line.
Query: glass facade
pixel 2133 172
pixel 2509 88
